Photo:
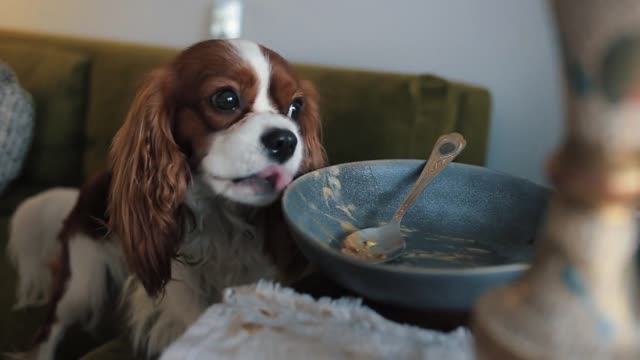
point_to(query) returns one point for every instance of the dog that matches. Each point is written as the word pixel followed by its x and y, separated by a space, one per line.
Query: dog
pixel 188 206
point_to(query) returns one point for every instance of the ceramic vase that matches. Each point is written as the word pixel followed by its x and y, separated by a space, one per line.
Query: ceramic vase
pixel 578 300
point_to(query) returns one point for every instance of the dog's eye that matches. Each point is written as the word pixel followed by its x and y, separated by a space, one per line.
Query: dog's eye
pixel 294 109
pixel 225 100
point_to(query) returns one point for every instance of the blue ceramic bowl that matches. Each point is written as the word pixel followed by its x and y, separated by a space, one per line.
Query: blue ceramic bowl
pixel 472 229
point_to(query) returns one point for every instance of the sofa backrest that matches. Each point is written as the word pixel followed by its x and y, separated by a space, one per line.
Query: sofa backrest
pixel 366 115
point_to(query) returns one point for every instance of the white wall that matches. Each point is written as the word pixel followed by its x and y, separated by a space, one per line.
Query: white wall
pixel 505 45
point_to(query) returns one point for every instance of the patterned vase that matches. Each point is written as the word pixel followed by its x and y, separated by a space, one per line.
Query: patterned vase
pixel 579 298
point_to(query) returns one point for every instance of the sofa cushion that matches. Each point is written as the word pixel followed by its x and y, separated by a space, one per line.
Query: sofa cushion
pixel 110 100
pixel 58 81
pixel 373 115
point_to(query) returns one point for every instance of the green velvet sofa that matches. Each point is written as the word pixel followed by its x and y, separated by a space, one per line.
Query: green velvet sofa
pixel 82 89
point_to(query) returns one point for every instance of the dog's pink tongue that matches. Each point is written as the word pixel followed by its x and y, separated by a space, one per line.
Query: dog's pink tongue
pixel 277 175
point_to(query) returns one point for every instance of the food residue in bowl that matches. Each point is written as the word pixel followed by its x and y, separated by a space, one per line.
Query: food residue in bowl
pixel 347 226
pixel 355 245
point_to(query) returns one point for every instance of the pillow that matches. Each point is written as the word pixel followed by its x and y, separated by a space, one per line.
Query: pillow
pixel 57 79
pixel 16 125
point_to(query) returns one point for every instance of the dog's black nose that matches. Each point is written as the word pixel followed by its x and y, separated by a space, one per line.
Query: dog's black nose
pixel 280 144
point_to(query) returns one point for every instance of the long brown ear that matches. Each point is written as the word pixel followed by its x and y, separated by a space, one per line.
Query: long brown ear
pixel 315 155
pixel 149 181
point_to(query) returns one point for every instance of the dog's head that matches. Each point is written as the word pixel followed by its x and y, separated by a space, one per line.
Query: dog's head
pixel 232 113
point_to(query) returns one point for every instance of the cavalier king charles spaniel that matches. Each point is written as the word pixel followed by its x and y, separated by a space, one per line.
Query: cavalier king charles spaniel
pixel 189 204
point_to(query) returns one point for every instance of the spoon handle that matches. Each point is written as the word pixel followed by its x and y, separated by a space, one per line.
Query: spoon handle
pixel 444 151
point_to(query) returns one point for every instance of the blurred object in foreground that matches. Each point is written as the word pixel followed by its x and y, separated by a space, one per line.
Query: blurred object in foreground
pixel 579 298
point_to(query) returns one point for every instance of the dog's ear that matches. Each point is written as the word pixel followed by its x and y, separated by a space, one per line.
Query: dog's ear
pixel 149 181
pixel 315 156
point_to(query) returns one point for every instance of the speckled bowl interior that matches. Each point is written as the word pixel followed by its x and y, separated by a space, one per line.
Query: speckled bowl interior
pixel 470 230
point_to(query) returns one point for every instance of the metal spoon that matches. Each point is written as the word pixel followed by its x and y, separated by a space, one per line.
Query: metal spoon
pixel 382 244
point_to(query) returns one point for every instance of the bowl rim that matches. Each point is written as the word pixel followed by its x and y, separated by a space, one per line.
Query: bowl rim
pixel 400 269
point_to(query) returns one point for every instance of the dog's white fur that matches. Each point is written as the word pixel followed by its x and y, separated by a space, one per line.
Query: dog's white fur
pixel 91 263
pixel 33 234
pixel 224 161
pixel 224 247
pixel 252 54
pixel 33 246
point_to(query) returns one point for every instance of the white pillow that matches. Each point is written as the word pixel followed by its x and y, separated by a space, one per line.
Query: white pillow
pixel 16 125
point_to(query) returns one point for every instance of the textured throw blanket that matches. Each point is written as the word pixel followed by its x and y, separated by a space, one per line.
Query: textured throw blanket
pixel 266 321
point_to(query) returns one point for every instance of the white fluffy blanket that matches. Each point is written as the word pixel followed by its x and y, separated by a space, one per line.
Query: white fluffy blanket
pixel 266 321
